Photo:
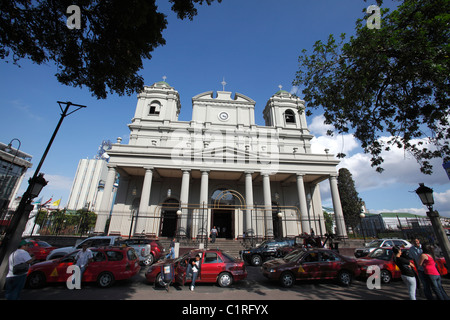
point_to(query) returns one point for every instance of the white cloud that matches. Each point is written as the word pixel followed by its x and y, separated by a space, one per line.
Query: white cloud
pixel 401 173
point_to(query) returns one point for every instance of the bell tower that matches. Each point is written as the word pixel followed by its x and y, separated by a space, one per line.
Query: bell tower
pixel 285 110
pixel 158 102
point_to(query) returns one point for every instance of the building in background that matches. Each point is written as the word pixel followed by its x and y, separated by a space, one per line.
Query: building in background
pixel 88 184
pixel 14 163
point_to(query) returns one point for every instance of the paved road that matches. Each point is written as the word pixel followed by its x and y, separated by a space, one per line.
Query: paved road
pixel 255 287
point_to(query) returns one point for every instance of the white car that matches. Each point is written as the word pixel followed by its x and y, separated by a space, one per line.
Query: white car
pixel 369 247
pixel 99 241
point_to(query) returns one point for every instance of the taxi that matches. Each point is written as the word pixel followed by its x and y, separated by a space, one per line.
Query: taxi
pixel 109 264
pixel 384 259
pixel 311 264
pixel 216 266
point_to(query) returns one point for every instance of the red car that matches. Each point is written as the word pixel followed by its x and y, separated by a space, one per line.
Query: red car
pixel 384 259
pixel 215 266
pixel 39 249
pixel 109 264
pixel 310 264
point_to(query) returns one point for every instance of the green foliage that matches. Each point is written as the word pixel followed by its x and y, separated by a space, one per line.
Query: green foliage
pixel 350 201
pixel 388 81
pixel 66 222
pixel 104 54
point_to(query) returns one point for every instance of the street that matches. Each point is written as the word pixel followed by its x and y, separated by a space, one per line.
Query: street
pixel 255 287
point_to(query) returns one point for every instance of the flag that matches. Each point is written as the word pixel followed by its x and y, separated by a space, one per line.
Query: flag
pixel 38 201
pixel 56 203
pixel 47 202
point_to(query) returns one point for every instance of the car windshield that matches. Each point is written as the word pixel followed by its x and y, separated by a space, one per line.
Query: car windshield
pixel 43 244
pixel 375 244
pixel 383 254
pixel 294 256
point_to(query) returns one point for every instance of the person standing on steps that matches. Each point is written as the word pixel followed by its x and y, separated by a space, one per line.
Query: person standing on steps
pixel 214 234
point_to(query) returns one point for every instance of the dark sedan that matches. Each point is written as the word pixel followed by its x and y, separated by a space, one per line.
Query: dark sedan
pixel 310 264
pixel 215 266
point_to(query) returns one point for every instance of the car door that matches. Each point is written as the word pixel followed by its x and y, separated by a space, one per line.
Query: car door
pixel 211 266
pixel 59 273
pixel 181 268
pixel 330 264
pixel 309 267
pixel 99 263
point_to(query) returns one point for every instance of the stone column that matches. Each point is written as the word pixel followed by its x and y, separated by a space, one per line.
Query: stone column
pixel 249 202
pixel 302 203
pixel 142 216
pixel 204 212
pixel 338 214
pixel 104 209
pixel 267 205
pixel 184 200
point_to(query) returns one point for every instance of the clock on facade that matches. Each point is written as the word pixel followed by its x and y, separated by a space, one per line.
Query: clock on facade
pixel 223 116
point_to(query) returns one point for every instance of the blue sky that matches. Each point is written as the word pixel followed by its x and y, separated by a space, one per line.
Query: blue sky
pixel 254 45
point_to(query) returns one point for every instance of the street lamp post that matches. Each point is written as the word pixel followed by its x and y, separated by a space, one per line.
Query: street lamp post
pixel 19 219
pixel 426 196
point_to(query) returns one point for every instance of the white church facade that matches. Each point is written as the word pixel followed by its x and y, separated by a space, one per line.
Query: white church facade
pixel 181 178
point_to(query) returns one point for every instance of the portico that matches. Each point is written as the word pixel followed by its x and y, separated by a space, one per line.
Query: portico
pixel 181 178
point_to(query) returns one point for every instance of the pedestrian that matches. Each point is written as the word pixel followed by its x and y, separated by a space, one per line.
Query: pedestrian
pixel 193 270
pixel 15 279
pixel 171 253
pixel 415 252
pixel 429 267
pixel 83 258
pixel 407 272
pixel 214 233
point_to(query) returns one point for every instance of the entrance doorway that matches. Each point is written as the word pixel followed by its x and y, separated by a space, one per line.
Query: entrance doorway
pixel 223 220
pixel 169 218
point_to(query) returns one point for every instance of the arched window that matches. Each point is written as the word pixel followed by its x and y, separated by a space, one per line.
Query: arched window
pixel 289 116
pixel 155 107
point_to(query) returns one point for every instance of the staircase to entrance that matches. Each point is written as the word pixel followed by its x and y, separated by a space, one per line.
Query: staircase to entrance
pixel 232 247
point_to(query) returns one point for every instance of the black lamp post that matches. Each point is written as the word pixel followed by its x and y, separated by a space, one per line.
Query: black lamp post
pixel 426 196
pixel 20 217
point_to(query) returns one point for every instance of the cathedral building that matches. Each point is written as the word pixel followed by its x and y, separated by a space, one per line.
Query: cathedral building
pixel 182 178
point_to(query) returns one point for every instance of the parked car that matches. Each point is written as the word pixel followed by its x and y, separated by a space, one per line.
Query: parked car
pixel 369 247
pixel 384 259
pixel 109 264
pixel 148 250
pixel 311 264
pixel 99 241
pixel 39 249
pixel 215 267
pixel 268 249
pixel 303 241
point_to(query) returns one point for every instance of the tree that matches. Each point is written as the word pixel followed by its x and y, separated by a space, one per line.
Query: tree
pixel 106 52
pixel 350 201
pixel 388 81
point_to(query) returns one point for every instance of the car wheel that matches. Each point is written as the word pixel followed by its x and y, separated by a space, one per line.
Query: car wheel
pixel 159 282
pixel 225 279
pixel 149 261
pixel 105 279
pixel 344 278
pixel 287 279
pixel 36 280
pixel 256 260
pixel 385 276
